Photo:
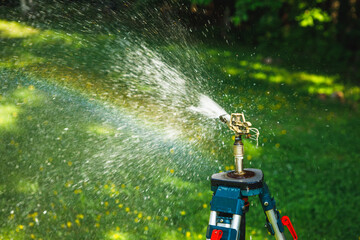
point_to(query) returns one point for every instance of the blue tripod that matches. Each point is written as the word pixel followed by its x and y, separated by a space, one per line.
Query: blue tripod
pixel 230 203
pixel 231 190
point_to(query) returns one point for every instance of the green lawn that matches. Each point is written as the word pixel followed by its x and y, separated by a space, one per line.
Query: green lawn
pixel 89 151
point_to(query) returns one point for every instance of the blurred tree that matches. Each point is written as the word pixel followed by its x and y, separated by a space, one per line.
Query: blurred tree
pixel 26 5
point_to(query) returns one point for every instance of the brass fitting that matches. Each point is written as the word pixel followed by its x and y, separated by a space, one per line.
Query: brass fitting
pixel 237 123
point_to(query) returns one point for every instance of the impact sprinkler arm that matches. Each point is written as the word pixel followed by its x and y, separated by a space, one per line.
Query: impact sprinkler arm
pixel 237 123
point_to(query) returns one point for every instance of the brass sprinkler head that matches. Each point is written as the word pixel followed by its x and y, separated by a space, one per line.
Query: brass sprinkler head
pixel 237 123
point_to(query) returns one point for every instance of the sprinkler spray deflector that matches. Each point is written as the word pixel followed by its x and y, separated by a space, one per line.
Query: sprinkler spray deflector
pixel 237 123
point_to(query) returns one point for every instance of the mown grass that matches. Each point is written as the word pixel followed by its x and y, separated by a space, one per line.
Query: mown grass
pixel 73 168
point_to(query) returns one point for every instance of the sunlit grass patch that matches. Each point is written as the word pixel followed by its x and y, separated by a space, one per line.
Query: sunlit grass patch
pixel 251 149
pixel 51 37
pixel 10 234
pixel 16 30
pixel 104 130
pixel 171 234
pixel 26 186
pixel 8 115
pixel 21 60
pixel 177 182
pixel 28 95
pixel 117 235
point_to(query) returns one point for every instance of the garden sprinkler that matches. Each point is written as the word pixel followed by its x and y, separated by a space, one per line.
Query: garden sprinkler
pixel 231 190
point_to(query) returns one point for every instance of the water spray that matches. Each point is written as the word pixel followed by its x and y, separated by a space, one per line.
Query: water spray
pixel 231 190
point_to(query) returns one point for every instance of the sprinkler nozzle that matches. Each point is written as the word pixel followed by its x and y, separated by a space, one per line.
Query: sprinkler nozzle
pixel 225 119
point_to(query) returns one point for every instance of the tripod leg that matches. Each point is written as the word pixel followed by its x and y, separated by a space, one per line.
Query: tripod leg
pixel 242 227
pixel 274 223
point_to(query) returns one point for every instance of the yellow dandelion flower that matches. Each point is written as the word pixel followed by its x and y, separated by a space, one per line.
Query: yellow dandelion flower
pixel 117 228
pixel 117 201
pixel 127 209
pixel 62 225
pixel 107 212
pixel 120 205
pixel 123 185
pixel 146 228
pixel 31 88
pixel 233 138
pixel 136 220
pixel 80 216
pixel 232 167
pixel 136 212
pixel 106 186
pixel 179 229
pixel 166 218
pixel 227 168
pixel 69 163
pixel 253 232
pixel 172 170
pixel 32 236
pixel 140 215
pixel 77 221
pixel 283 132
pixel 116 236
pixel 277 145
pixel 21 227
pixel 188 234
pixel 31 224
pixel 200 194
pixel 260 107
pixel 68 184
pixel 97 225
pixel 77 191
pixel 200 236
pixel 41 169
pixel 137 188
pixel 249 157
pixel 172 150
pixel 69 224
pixel 148 218
pixel 205 205
pixel 54 217
pixel 183 213
pixel 106 204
